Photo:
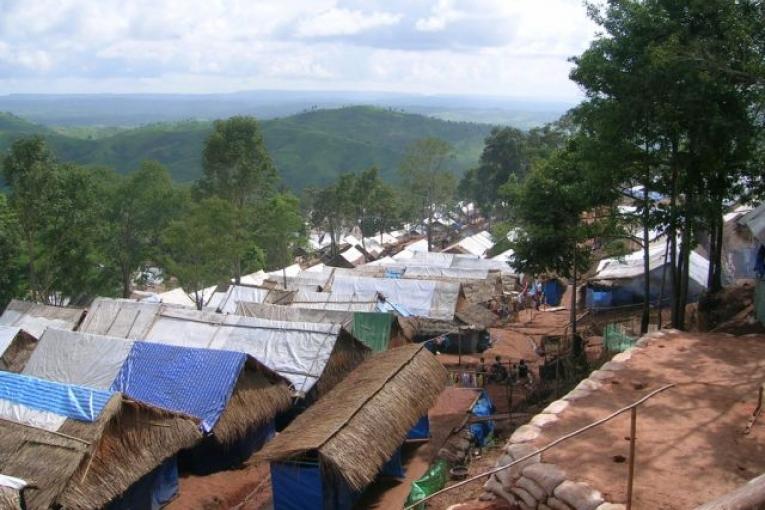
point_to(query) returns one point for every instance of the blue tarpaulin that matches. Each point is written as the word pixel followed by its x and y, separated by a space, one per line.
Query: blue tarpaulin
pixel 211 455
pixel 394 467
pixel 151 492
pixel 552 292
pixel 482 430
pixel 421 429
pixel 169 377
pixel 75 402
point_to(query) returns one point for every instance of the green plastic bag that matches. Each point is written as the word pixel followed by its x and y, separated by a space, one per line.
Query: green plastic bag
pixel 431 482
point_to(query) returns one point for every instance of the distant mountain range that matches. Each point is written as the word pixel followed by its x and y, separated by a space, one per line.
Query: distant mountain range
pixel 309 149
pixel 132 110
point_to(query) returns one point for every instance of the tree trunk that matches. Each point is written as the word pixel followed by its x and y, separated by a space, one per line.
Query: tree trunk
pixel 125 281
pixel 573 297
pixel 646 316
pixel 672 232
pixel 717 280
pixel 429 229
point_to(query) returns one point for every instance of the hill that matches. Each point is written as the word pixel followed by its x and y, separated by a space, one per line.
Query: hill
pixel 309 149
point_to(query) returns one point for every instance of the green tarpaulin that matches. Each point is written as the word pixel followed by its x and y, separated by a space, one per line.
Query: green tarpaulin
pixel 432 481
pixel 759 301
pixel 616 339
pixel 373 329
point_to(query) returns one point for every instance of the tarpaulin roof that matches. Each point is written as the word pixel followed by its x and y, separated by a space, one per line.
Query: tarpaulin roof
pixel 47 404
pixel 755 220
pixel 34 318
pixel 356 302
pixel 425 298
pixel 631 266
pixel 477 244
pixel 176 297
pixel 194 382
pixel 294 313
pixel 298 351
pixel 353 256
pixel 7 334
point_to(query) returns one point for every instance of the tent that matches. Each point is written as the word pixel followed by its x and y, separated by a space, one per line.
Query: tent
pixel 176 296
pixel 425 298
pixel 226 302
pixel 16 345
pixel 34 318
pixel 83 447
pixel 356 302
pixel 477 244
pixel 326 457
pixel 619 282
pixel 303 353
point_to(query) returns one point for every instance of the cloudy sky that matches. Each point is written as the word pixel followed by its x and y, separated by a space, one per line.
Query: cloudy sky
pixel 516 48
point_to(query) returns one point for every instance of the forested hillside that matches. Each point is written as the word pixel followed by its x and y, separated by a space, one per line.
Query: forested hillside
pixel 308 149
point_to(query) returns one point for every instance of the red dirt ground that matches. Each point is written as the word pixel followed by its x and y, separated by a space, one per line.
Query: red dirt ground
pixel 690 442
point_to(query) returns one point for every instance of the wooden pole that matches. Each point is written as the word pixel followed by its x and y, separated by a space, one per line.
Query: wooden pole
pixel 631 476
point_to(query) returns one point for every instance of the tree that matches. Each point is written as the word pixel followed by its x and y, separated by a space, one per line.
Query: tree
pixel 373 202
pixel 686 125
pixel 426 183
pixel 280 228
pixel 237 168
pixel 141 205
pixel 333 208
pixel 12 275
pixel 60 220
pixel 201 246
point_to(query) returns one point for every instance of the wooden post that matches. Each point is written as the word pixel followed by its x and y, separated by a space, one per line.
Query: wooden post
pixel 631 476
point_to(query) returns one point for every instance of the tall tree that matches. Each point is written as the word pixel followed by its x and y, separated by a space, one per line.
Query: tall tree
pixel 12 275
pixel 60 217
pixel 140 207
pixel 236 167
pixel 280 228
pixel 372 201
pixel 201 247
pixel 426 182
pixel 333 208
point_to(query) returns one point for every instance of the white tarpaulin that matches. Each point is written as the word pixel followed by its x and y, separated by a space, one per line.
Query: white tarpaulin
pixel 297 350
pixel 423 298
pixel 294 314
pixel 78 358
pixel 631 266
pixel 7 334
pixel 12 482
pixel 424 272
pixel 176 297
pixel 34 318
pixel 755 220
pixel 362 302
pixel 238 293
pixel 19 413
pixel 119 317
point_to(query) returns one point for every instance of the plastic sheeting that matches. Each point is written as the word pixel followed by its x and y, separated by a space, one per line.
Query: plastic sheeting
pixel 70 401
pixel 237 293
pixel 297 486
pixel 299 351
pixel 360 302
pixel 78 358
pixel 431 482
pixel 421 429
pixel 394 467
pixel 194 382
pixel 34 318
pixel 423 298
pixel 119 318
pixel 482 430
pixel 294 314
pixel 373 329
pixel 152 491
pixel 7 335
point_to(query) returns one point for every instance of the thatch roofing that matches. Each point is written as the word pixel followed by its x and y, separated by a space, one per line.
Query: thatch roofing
pixel 86 465
pixel 356 427
pixel 237 397
pixel 34 318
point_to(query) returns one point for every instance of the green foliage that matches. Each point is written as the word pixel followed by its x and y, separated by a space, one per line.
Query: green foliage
pixel 12 275
pixel 140 206
pixel 235 163
pixel 279 226
pixel 58 210
pixel 310 149
pixel 201 247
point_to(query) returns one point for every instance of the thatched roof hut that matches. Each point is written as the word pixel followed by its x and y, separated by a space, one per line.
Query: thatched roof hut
pixel 83 462
pixel 230 393
pixel 307 354
pixel 16 345
pixel 34 318
pixel 357 427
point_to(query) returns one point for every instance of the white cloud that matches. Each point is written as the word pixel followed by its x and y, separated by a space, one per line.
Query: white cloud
pixel 334 22
pixel 507 47
pixel 442 14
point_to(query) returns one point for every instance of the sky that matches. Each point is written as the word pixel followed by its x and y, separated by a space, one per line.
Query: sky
pixel 513 48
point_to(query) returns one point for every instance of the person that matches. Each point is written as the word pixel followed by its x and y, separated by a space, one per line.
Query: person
pixel 498 370
pixel 480 372
pixel 524 376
